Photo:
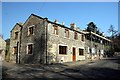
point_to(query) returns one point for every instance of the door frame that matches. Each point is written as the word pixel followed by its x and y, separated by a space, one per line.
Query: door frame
pixel 73 55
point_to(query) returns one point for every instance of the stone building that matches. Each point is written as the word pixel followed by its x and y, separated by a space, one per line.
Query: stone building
pixel 42 41
pixel 15 35
pixel 2 48
pixel 96 43
pixel 65 44
pixel 39 40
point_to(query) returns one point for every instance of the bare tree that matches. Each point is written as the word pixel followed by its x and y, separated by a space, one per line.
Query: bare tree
pixel 112 30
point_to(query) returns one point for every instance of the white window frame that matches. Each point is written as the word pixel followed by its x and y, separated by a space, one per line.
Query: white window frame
pixel 30 27
pixel 82 37
pixel 66 50
pixel 83 51
pixel 66 33
pixel 32 48
pixel 15 34
pixel 13 49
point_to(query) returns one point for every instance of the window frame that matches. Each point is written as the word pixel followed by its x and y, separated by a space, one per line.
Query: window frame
pixel 66 33
pixel 82 37
pixel 15 50
pixel 81 52
pixel 28 49
pixel 64 49
pixel 75 35
pixel 55 29
pixel 29 33
pixel 15 35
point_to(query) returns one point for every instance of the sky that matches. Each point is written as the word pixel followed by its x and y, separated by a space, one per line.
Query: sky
pixel 119 17
pixel 103 14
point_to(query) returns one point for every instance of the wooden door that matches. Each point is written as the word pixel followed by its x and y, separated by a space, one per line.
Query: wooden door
pixel 74 54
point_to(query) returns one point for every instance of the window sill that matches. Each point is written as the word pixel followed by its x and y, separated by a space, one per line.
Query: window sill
pixel 76 39
pixel 55 35
pixel 81 55
pixel 29 54
pixel 30 35
pixel 83 41
pixel 66 38
pixel 15 39
pixel 62 54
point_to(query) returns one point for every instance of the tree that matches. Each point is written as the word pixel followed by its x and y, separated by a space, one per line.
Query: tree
pixel 92 27
pixel 116 41
pixel 112 30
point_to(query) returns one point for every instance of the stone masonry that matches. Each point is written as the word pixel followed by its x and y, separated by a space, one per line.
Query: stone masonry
pixel 42 41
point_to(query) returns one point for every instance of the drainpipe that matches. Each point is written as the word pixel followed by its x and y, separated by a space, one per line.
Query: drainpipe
pixel 46 38
pixel 46 45
pixel 91 44
pixel 19 45
pixel 17 55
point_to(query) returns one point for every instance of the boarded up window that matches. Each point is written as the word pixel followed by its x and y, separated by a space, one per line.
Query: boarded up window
pixel 15 50
pixel 81 52
pixel 62 49
pixel 67 33
pixel 75 35
pixel 16 35
pixel 30 48
pixel 30 31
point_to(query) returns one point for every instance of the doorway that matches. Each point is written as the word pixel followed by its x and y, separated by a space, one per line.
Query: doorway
pixel 74 54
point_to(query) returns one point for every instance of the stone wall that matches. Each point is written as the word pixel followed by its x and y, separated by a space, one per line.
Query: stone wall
pixel 37 39
pixel 2 48
pixel 89 44
pixel 2 43
pixel 46 43
pixel 13 41
pixel 55 40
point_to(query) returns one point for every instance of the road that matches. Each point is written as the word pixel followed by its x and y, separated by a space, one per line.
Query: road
pixel 100 69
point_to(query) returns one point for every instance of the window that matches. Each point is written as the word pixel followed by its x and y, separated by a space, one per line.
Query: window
pixel 16 35
pixel 82 37
pixel 81 52
pixel 30 48
pixel 62 49
pixel 30 31
pixel 67 33
pixel 56 30
pixel 75 35
pixel 15 50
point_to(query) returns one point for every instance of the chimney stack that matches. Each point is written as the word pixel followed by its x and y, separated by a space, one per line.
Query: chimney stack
pixel 73 26
pixel 21 23
pixel 46 18
pixel 63 23
pixel 56 21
